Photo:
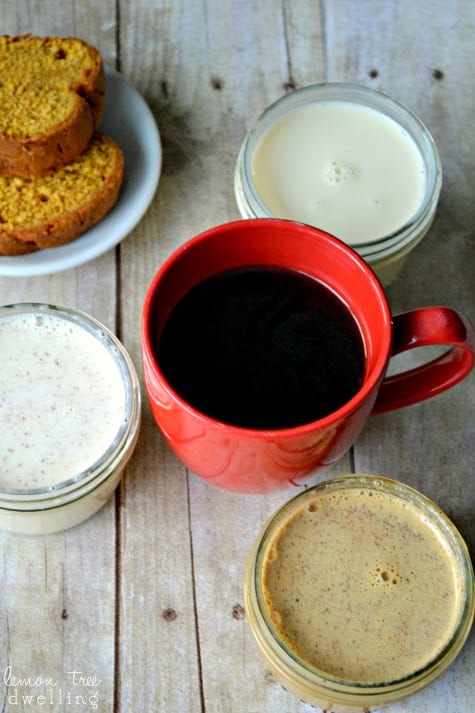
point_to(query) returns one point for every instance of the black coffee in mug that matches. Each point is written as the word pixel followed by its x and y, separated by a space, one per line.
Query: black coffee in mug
pixel 262 348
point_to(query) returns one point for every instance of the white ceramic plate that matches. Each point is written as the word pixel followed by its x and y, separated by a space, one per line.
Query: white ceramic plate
pixel 129 121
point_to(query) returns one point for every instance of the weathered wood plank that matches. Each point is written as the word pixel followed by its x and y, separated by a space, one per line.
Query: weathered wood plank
pixel 420 54
pixel 246 60
pixel 57 597
pixel 158 660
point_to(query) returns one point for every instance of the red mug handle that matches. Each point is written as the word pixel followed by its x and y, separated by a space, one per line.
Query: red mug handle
pixel 428 326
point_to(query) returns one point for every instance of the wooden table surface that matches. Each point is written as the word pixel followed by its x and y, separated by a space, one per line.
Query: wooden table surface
pixel 140 608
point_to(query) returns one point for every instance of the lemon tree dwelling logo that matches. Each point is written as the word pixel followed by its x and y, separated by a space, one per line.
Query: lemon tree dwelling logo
pixel 78 689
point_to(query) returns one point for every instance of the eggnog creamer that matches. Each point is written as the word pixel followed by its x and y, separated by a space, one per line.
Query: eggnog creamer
pixel 62 400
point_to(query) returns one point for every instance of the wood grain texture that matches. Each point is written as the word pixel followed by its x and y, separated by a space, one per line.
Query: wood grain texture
pixel 147 594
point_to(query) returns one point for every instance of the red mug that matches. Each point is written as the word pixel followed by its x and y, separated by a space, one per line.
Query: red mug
pixel 257 461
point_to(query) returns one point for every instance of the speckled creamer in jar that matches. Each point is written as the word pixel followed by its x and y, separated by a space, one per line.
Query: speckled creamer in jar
pixel 69 416
pixel 359 592
pixel 348 160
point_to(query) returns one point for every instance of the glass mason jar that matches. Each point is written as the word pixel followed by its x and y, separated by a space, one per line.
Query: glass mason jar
pixel 385 253
pixel 348 566
pixel 79 400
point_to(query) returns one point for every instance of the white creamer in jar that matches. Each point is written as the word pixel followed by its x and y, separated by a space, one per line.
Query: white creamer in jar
pixel 69 415
pixel 346 159
pixel 61 400
pixel 342 167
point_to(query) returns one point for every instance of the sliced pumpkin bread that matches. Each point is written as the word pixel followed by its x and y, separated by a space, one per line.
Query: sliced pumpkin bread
pixel 47 211
pixel 51 102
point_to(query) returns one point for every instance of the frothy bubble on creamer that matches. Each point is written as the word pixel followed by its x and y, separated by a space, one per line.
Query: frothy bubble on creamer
pixel 340 172
pixel 62 400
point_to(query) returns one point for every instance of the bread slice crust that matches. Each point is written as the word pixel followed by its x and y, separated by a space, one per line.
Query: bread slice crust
pixel 48 211
pixel 51 102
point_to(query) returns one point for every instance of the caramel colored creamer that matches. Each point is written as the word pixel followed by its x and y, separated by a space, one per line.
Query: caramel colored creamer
pixel 362 586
